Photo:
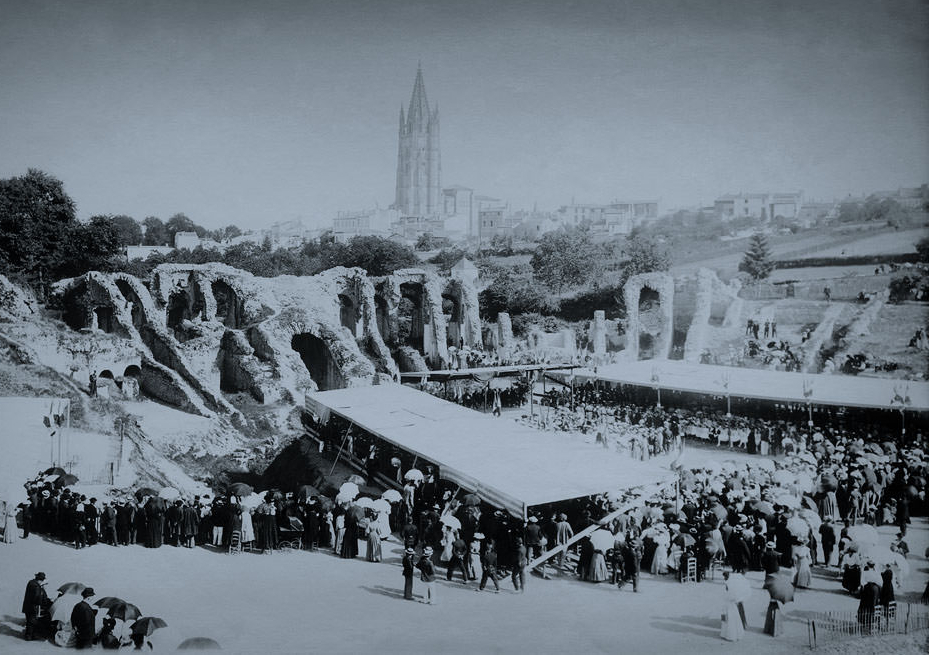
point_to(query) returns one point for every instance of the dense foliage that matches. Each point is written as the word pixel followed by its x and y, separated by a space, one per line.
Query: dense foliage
pixel 757 261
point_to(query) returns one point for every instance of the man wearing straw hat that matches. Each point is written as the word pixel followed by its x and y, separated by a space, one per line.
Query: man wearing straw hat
pixel 427 575
pixel 409 566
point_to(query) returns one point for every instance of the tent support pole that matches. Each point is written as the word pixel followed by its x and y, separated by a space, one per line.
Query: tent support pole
pixel 341 446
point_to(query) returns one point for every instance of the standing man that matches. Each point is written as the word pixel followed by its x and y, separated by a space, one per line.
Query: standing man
pixel 520 562
pixel 82 620
pixel 633 555
pixel 827 539
pixel 427 575
pixel 33 601
pixel 563 534
pixel 489 566
pixel 409 566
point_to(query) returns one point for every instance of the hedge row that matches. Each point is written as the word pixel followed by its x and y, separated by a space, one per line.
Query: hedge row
pixel 860 260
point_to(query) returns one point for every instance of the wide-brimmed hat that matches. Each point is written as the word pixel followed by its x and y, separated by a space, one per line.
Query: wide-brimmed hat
pixel 427 550
pixel 533 519
pixel 478 535
pixel 770 544
pixel 410 551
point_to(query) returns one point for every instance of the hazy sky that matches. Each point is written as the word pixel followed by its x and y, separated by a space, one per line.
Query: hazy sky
pixel 253 112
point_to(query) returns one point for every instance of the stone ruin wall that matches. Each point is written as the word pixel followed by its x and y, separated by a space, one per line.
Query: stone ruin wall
pixel 196 332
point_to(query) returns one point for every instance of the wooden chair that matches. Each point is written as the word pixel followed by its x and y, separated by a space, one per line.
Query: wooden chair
pixel 690 573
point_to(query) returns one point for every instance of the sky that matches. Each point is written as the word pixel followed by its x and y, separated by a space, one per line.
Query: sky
pixel 250 113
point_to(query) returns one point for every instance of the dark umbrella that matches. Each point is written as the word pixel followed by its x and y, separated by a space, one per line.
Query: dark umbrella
pixel 66 480
pixel 199 643
pixel 828 482
pixel 147 625
pixel 125 612
pixel 240 489
pixel 109 601
pixel 358 513
pixel 471 500
pixel 55 470
pixel 72 588
pixel 145 491
pixel 779 588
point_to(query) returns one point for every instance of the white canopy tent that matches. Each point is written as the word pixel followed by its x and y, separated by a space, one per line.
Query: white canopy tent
pixel 823 389
pixel 509 465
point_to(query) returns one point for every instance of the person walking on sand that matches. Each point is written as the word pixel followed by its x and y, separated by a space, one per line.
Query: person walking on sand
pixel 34 599
pixel 489 568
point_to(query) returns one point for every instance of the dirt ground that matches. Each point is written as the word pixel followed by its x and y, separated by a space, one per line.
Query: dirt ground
pixel 315 602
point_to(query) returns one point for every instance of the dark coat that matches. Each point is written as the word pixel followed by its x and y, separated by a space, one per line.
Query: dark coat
pixel 770 561
pixel 82 619
pixel 34 597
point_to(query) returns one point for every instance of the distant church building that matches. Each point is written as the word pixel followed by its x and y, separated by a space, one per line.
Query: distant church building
pixel 419 168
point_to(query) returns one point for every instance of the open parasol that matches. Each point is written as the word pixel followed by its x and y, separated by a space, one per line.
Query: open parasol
pixel 472 500
pixel 199 643
pixel 124 611
pixel 863 534
pixel 240 489
pixel 798 528
pixel 145 491
pixel 147 625
pixel 356 479
pixel 764 507
pixel 169 493
pixel 779 588
pixel 72 588
pixel 602 540
pixel 791 502
pixel 380 505
pixel 364 502
pixel 306 491
pixel 684 540
pixel 451 521
pixel 414 474
pixel 63 606
pixel 348 490
pixel 66 480
pixel 392 496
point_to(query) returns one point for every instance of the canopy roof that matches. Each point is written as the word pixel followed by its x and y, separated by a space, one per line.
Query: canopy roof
pixel 849 390
pixel 508 464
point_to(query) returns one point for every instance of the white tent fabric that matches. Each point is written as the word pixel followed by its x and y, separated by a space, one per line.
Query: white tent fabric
pixel 509 465
pixel 850 390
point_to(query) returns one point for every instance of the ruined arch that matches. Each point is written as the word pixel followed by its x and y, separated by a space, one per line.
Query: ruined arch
pixel 135 303
pixel 412 316
pixel 229 307
pixel 106 373
pixel 319 361
pixel 348 313
pixel 651 294
pixel 132 371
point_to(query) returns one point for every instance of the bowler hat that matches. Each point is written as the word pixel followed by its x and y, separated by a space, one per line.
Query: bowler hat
pixel 40 575
pixel 87 593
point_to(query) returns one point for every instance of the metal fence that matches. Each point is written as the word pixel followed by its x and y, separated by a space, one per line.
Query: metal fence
pixel 892 619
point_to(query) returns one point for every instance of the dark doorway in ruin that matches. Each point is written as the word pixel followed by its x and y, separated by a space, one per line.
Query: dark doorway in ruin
pixel 348 315
pixel 648 299
pixel 177 309
pixel 451 308
pixel 382 316
pixel 650 322
pixel 132 371
pixel 106 373
pixel 318 360
pixel 410 316
pixel 229 308
pixel 104 318
pixel 134 301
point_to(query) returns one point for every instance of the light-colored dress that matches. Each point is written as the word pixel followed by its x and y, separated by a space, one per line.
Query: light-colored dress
pixel 8 514
pixel 383 524
pixel 732 629
pixel 248 529
pixel 374 542
pixel 474 561
pixel 802 562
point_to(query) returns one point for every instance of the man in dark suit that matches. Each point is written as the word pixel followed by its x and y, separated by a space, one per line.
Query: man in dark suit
pixel 770 559
pixel 33 601
pixel 409 568
pixel 82 620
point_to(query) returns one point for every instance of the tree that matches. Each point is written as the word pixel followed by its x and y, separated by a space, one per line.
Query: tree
pixel 565 258
pixel 181 223
pixel 90 247
pixel 36 217
pixel 922 247
pixel 156 234
pixel 757 261
pixel 128 231
pixel 378 256
pixel 643 254
pixel 428 241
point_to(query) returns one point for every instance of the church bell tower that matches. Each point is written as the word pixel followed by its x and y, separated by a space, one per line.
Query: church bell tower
pixel 419 168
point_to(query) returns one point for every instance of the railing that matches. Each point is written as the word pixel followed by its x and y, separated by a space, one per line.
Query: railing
pixel 889 620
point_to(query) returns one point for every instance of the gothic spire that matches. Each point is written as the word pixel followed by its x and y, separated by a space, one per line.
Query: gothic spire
pixel 418 113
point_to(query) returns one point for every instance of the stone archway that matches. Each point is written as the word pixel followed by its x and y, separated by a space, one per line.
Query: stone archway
pixel 411 316
pixel 348 314
pixel 319 361
pixel 135 303
pixel 229 308
pixel 658 292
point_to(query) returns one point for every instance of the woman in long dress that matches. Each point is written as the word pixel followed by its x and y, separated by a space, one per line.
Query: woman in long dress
pixel 373 533
pixel 732 629
pixel 350 538
pixel 248 528
pixel 8 514
pixel 338 532
pixel 598 571
pixel 802 562
pixel 475 570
